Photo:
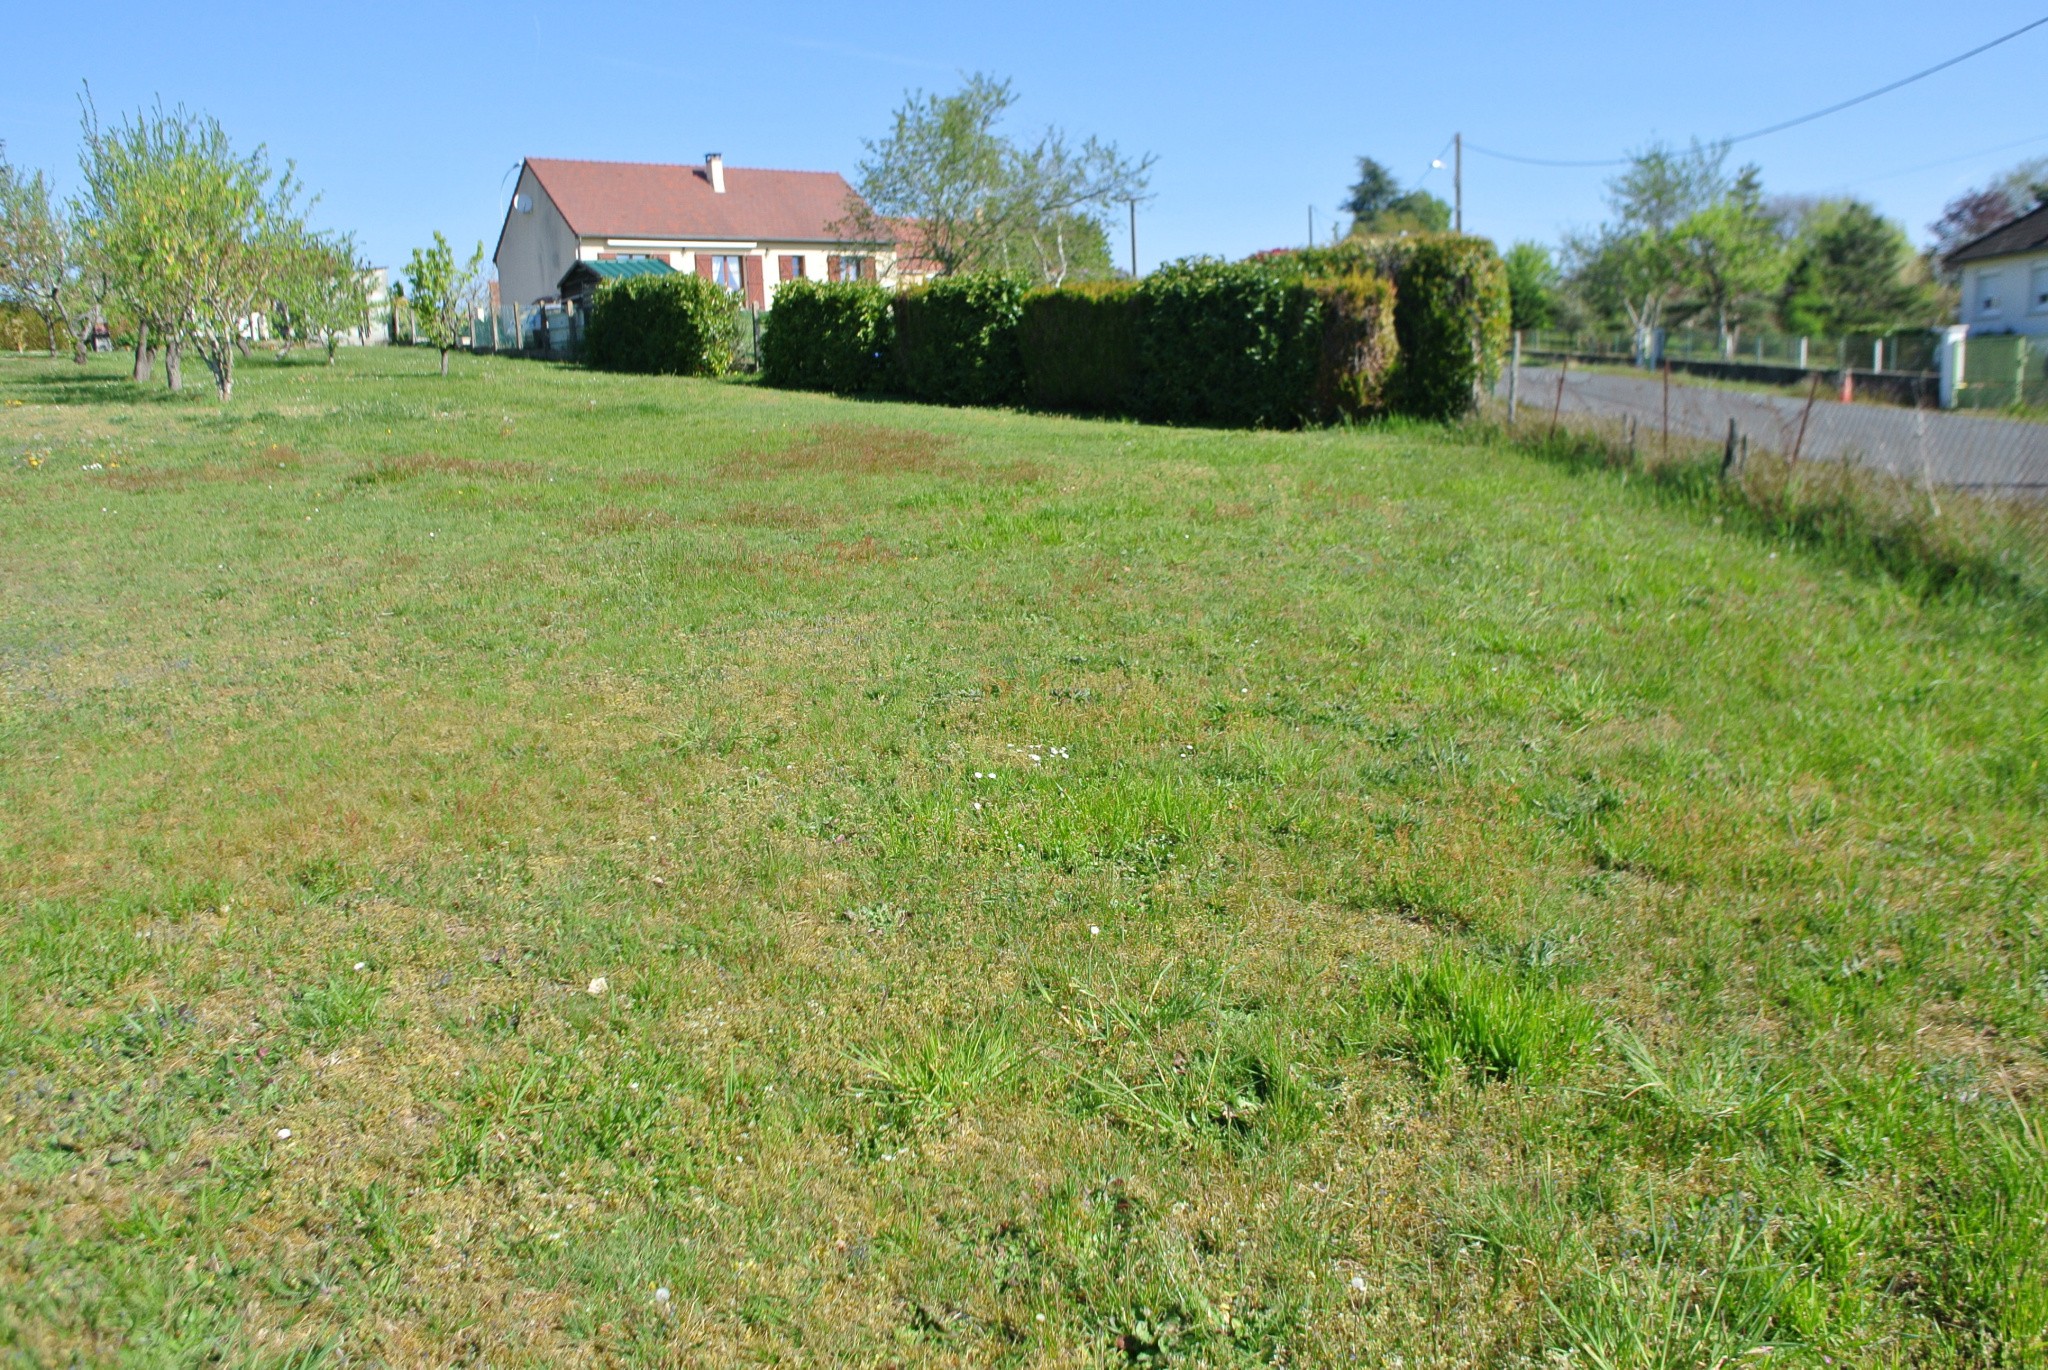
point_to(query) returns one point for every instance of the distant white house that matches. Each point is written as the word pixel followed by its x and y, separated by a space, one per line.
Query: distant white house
pixel 748 229
pixel 2005 277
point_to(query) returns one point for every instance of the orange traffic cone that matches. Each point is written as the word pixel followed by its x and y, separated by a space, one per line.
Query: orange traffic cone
pixel 1848 386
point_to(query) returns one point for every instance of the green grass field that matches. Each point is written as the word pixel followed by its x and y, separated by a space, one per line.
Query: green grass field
pixel 543 868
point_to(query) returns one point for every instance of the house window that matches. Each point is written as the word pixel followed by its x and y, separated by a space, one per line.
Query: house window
pixel 1987 292
pixel 793 267
pixel 725 270
pixel 850 268
pixel 2039 291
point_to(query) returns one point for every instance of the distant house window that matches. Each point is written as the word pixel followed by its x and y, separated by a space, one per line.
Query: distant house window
pixel 2039 292
pixel 725 270
pixel 850 268
pixel 1987 292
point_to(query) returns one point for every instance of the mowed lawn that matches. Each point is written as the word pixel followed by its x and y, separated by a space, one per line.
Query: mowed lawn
pixel 546 868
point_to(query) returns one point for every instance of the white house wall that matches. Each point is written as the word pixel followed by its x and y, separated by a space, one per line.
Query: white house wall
pixel 2004 295
pixel 536 249
pixel 682 255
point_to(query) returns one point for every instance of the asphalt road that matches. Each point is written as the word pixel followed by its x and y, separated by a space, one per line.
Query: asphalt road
pixel 1969 451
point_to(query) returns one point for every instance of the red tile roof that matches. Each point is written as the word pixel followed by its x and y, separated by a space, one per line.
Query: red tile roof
pixel 654 200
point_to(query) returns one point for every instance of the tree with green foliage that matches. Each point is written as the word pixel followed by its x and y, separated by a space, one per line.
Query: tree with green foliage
pixel 1854 271
pixel 443 293
pixel 192 234
pixel 948 187
pixel 1378 205
pixel 323 293
pixel 37 270
pixel 1634 266
pixel 1731 257
pixel 1532 286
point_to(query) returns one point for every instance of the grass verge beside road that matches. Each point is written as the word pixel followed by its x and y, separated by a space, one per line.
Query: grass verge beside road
pixel 546 867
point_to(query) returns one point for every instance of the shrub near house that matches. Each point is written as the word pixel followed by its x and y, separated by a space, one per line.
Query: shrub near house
pixel 666 325
pixel 829 335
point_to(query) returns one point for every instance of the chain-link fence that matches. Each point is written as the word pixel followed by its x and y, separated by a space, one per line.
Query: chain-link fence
pixel 555 331
pixel 1912 351
pixel 1995 455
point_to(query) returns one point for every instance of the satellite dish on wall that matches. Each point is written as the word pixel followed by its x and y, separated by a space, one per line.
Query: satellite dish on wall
pixel 523 203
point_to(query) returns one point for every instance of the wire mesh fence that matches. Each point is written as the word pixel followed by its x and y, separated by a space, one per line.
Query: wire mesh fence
pixel 1982 452
pixel 1913 351
pixel 555 330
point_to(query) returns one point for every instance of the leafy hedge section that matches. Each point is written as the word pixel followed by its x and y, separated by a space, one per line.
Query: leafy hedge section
pixel 1410 325
pixel 1451 312
pixel 1359 346
pixel 1079 348
pixel 1228 343
pixel 957 340
pixel 828 335
pixel 673 325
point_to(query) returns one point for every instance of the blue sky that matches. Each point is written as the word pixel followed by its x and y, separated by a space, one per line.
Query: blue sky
pixel 408 118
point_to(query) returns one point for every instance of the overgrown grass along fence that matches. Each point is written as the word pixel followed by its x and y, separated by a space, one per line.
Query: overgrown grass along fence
pixel 1936 540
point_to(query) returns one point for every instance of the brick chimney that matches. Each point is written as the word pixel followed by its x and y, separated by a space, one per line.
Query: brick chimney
pixel 714 167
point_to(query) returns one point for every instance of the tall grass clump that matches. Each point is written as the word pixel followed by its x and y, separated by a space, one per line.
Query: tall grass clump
pixel 1463 1015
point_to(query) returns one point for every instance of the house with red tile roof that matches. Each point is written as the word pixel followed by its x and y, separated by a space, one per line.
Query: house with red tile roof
pixel 746 228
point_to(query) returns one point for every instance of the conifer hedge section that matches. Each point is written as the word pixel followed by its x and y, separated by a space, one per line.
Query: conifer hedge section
pixel 671 325
pixel 1080 348
pixel 957 340
pixel 1451 312
pixel 829 335
pixel 1412 325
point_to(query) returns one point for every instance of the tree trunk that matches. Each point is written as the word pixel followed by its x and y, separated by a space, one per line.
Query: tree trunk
pixel 145 355
pixel 174 379
pixel 332 343
pixel 444 361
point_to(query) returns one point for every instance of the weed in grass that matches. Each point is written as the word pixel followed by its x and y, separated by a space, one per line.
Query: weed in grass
pixel 922 1078
pixel 343 1005
pixel 1248 1088
pixel 1464 1015
pixel 1715 1088
pixel 1686 1300
pixel 1989 1271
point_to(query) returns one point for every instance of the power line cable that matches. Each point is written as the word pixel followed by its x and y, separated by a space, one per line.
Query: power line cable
pixel 1789 123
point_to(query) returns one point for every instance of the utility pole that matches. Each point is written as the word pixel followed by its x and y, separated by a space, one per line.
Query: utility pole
pixel 1311 225
pixel 1134 239
pixel 1458 182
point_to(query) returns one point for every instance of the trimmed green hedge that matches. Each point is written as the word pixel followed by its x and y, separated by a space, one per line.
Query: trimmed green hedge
pixel 957 340
pixel 1264 344
pixel 1451 311
pixel 1080 348
pixel 1359 346
pixel 673 325
pixel 828 335
pixel 1228 343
